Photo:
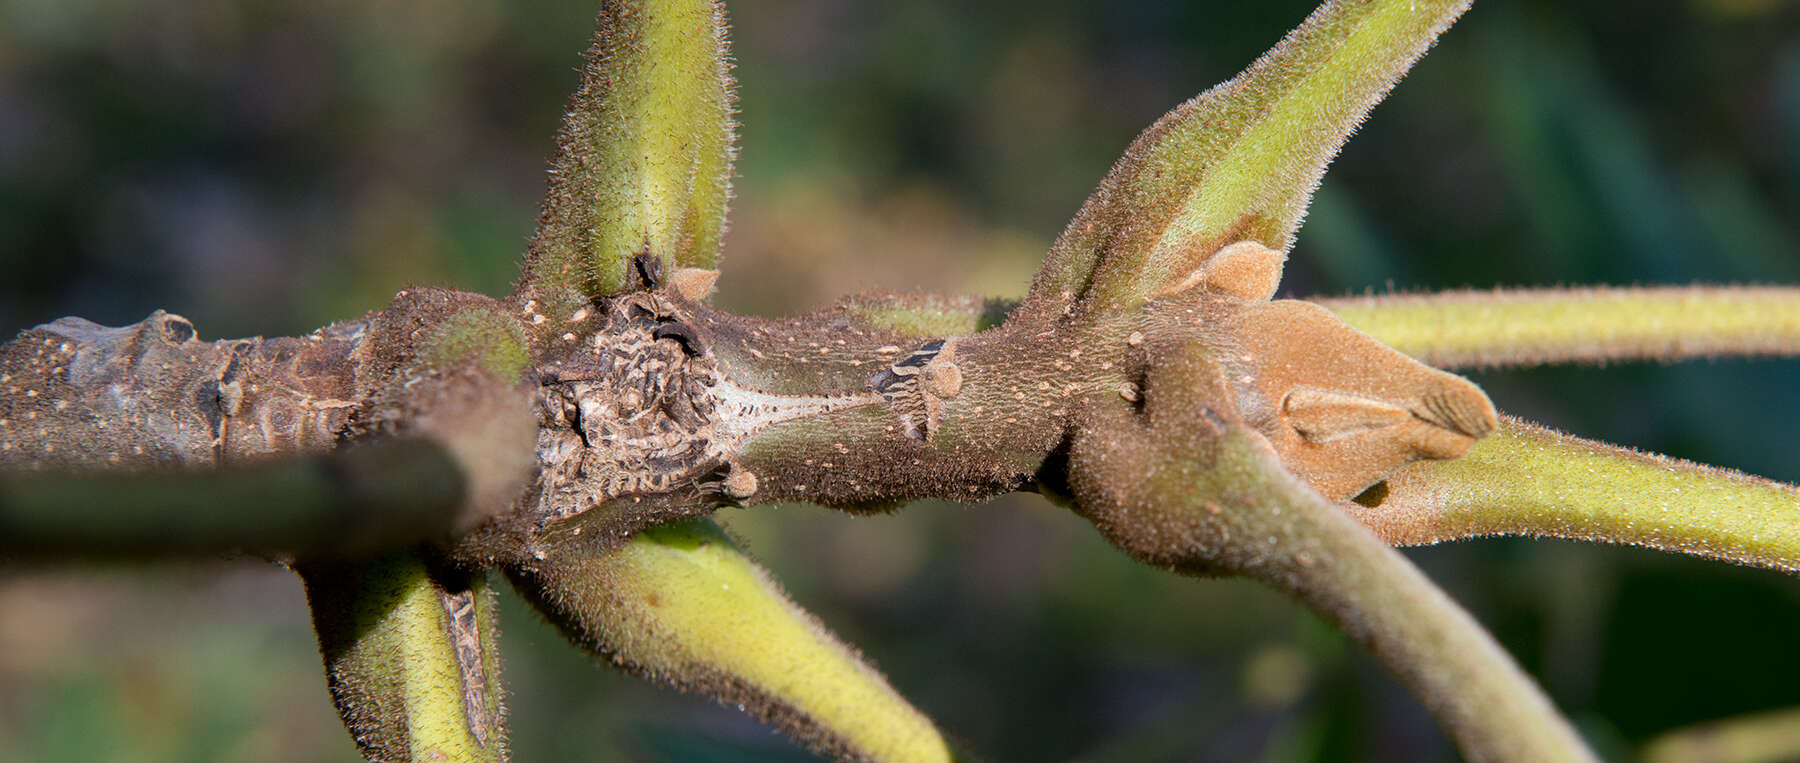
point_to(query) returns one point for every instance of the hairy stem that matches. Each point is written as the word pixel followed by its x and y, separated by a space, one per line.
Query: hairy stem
pixel 1188 485
pixel 1239 161
pixel 1381 601
pixel 1529 480
pixel 411 657
pixel 1763 737
pixel 1520 327
pixel 929 315
pixel 643 161
pixel 682 603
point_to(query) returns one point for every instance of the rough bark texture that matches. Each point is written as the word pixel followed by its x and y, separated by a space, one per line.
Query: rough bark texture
pixel 152 394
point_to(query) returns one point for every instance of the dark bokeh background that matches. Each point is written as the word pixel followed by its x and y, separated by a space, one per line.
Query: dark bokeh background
pixel 265 167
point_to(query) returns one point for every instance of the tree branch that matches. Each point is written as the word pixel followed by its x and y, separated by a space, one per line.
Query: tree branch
pixel 107 434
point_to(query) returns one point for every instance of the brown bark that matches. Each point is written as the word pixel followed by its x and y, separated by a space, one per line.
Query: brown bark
pixel 78 395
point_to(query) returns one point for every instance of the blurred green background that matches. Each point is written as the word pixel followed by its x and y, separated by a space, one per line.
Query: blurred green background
pixel 265 167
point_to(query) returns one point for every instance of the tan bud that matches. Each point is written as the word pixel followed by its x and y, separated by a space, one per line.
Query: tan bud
pixel 740 483
pixel 694 284
pixel 1322 415
pixel 1246 270
pixel 1351 410
pixel 943 380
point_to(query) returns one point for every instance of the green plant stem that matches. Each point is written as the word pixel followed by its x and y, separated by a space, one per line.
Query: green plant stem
pixel 1198 490
pixel 1518 327
pixel 1381 601
pixel 1529 480
pixel 1761 738
pixel 382 494
pixel 1433 646
pixel 1237 162
pixel 643 160
pixel 928 316
pixel 682 603
pixel 411 657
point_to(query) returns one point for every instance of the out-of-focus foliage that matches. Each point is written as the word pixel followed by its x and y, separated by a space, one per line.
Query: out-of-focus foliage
pixel 264 167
